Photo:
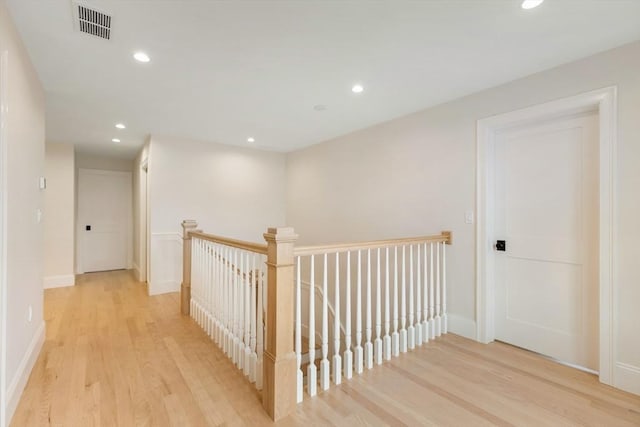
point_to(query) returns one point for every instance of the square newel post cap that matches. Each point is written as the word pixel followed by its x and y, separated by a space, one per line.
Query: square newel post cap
pixel 189 225
pixel 449 236
pixel 280 235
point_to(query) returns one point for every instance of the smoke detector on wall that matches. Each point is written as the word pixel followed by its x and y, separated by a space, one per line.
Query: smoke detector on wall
pixel 89 20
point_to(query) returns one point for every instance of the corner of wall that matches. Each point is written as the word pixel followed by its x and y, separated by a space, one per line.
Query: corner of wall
pixel 462 326
pixel 59 281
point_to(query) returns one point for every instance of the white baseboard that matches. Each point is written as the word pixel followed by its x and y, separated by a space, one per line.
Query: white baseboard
pixel 627 377
pixel 59 281
pixel 461 326
pixel 15 388
pixel 164 287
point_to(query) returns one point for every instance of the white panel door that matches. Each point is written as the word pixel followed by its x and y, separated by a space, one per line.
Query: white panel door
pixel 104 218
pixel 546 211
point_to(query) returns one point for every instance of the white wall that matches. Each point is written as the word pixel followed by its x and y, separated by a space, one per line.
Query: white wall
pixel 230 191
pixel 24 235
pixel 416 175
pixel 93 161
pixel 59 215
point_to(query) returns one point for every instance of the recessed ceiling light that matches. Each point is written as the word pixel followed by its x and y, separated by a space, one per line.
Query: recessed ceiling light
pixel 357 89
pixel 530 4
pixel 115 140
pixel 251 139
pixel 120 126
pixel 141 57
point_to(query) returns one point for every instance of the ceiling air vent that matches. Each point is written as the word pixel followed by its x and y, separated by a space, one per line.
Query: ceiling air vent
pixel 91 21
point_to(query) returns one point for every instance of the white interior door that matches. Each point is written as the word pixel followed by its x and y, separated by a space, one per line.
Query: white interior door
pixel 546 211
pixel 104 220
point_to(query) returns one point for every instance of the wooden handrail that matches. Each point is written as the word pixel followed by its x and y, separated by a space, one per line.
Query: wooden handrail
pixel 234 243
pixel 445 237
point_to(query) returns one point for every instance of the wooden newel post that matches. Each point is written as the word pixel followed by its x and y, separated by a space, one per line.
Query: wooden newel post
pixel 185 287
pixel 279 373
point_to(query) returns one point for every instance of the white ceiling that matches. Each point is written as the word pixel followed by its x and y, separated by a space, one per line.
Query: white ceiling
pixel 224 71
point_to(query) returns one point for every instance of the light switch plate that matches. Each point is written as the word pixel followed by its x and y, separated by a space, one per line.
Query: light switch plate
pixel 43 183
pixel 468 217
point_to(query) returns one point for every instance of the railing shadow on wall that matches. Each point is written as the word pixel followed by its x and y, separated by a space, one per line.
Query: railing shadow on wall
pixel 371 301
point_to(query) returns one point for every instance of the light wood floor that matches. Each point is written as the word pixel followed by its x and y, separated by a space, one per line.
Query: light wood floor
pixel 114 356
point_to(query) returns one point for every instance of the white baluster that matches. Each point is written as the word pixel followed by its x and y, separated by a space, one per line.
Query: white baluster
pixel 216 296
pixel 432 322
pixel 193 277
pixel 211 289
pixel 252 338
pixel 445 323
pixel 239 268
pixel 378 342
pixel 418 326
pixel 247 316
pixel 357 354
pixel 195 270
pixel 312 378
pixel 368 346
pixel 231 307
pixel 324 363
pixel 246 294
pixel 438 293
pixel 219 301
pixel 395 337
pixel 200 282
pixel 230 281
pixel 226 288
pixel 239 309
pixel 403 305
pixel 348 355
pixel 425 293
pixel 221 286
pixel 203 294
pixel 411 332
pixel 386 341
pixel 207 287
pixel 298 327
pixel 337 359
pixel 214 292
pixel 236 309
pixel 260 324
pixel 203 287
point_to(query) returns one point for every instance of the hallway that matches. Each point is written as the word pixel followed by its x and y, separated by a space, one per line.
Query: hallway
pixel 114 356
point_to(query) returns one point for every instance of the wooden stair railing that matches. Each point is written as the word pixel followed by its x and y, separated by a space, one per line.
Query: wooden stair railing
pixel 277 364
pixel 417 272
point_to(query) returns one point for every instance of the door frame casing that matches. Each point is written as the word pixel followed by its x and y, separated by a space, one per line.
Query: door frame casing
pixel 4 108
pixel 603 101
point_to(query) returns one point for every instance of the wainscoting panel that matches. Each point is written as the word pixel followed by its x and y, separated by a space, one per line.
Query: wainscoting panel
pixel 166 263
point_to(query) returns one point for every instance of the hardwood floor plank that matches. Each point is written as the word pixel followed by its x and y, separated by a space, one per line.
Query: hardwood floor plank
pixel 114 356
